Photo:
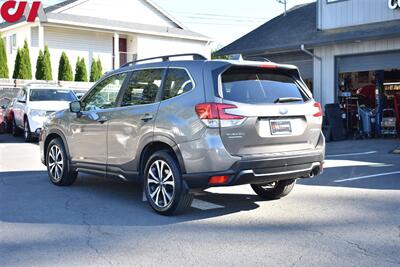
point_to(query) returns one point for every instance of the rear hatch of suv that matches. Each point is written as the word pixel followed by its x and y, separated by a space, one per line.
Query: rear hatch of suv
pixel 268 110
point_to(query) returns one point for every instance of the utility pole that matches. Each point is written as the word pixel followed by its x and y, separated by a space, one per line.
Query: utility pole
pixel 284 2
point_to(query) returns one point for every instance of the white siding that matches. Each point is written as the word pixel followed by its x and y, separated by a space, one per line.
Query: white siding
pixel 35 36
pixel 354 12
pixel 151 46
pixel 327 70
pixel 74 43
pixel 133 11
pixel 23 33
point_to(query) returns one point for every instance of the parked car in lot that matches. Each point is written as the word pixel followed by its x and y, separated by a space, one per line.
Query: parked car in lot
pixel 8 116
pixel 4 104
pixel 34 103
pixel 181 125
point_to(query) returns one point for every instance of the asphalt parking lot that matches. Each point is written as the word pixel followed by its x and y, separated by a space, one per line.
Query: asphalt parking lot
pixel 349 216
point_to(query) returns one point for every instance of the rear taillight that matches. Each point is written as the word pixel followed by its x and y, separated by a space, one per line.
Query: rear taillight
pixel 214 115
pixel 319 112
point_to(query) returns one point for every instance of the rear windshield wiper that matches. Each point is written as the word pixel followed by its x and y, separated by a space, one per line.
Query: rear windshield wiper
pixel 288 100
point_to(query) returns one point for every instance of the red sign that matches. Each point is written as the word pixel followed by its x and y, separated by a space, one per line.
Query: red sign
pixel 12 11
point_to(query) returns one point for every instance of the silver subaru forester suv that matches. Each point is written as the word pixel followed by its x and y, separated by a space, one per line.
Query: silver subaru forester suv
pixel 182 125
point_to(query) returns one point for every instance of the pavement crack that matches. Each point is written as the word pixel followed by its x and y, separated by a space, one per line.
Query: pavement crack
pixel 361 249
pixel 89 230
pixel 368 253
pixel 89 238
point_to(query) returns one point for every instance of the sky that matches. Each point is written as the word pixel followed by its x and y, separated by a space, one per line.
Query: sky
pixel 222 20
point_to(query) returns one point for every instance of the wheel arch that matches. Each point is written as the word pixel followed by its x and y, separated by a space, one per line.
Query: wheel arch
pixel 53 134
pixel 157 144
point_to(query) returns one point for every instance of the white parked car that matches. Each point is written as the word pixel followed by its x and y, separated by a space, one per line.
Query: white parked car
pixel 34 103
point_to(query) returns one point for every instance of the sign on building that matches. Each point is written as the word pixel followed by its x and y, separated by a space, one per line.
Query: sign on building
pixel 394 4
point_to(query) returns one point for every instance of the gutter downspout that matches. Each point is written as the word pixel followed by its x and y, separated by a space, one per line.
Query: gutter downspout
pixel 308 52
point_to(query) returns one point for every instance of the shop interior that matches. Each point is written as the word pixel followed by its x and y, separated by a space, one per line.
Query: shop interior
pixel 370 102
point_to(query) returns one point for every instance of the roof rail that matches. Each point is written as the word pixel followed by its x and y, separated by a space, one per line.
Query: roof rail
pixel 165 58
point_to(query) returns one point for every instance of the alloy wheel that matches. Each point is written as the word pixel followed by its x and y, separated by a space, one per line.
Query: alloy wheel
pixel 161 184
pixel 56 163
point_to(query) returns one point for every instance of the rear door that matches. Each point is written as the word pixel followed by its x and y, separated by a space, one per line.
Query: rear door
pixel 280 114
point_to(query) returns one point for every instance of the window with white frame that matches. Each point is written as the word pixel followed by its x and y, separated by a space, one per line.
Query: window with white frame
pixel 13 43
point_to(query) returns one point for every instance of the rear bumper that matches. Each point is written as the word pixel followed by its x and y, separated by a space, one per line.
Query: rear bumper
pixel 263 170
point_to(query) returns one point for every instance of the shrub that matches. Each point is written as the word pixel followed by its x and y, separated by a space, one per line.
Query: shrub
pixel 47 70
pixel 3 60
pixel 80 71
pixel 22 66
pixel 40 66
pixel 17 64
pixel 64 69
pixel 96 70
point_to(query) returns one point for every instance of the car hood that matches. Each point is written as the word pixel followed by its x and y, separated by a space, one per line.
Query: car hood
pixel 49 105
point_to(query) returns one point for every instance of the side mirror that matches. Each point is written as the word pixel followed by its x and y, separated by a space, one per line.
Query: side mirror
pixel 75 107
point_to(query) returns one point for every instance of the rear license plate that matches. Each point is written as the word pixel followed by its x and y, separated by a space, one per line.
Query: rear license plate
pixel 281 127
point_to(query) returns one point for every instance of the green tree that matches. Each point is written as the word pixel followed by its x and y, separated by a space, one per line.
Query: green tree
pixel 100 68
pixel 3 60
pixel 96 70
pixel 64 69
pixel 81 71
pixel 17 65
pixel 25 66
pixel 47 70
pixel 40 66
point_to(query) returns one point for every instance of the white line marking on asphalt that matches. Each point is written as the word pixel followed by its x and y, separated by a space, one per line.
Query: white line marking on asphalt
pixel 352 154
pixel 204 205
pixel 366 177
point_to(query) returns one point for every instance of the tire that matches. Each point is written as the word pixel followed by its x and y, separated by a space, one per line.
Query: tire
pixel 8 127
pixel 27 132
pixel 58 166
pixel 15 131
pixel 274 190
pixel 168 195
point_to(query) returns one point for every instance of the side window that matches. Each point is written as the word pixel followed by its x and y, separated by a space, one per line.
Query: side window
pixel 177 82
pixel 143 87
pixel 105 94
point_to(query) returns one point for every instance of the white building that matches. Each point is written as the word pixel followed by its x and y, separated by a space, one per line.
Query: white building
pixel 115 31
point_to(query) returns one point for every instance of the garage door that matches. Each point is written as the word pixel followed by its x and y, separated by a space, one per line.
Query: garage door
pixel 368 62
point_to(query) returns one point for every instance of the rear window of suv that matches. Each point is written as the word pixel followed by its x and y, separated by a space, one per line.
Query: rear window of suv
pixel 255 85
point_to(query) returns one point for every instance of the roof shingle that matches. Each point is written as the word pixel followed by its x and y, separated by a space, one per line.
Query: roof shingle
pixel 299 26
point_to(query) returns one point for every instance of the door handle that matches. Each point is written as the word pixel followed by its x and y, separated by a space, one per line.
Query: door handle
pixel 102 119
pixel 147 117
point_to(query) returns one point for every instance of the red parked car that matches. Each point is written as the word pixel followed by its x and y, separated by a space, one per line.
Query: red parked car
pixel 6 115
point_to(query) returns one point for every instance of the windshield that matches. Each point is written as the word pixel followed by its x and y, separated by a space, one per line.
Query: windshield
pixel 256 85
pixel 51 95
